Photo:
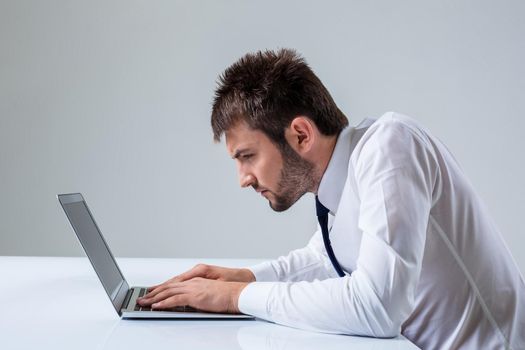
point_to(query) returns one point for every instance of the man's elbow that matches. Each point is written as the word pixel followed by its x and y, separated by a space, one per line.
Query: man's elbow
pixel 388 325
pixel 373 326
pixel 385 324
pixel 377 330
pixel 387 331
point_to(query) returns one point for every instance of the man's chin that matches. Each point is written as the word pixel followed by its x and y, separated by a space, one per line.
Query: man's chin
pixel 278 207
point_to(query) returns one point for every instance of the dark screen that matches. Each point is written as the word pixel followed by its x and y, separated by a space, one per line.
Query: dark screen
pixel 95 247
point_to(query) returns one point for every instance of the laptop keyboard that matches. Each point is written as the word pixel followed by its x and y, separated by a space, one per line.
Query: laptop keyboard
pixel 185 308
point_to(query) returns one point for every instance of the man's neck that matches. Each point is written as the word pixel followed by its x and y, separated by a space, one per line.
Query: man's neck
pixel 323 156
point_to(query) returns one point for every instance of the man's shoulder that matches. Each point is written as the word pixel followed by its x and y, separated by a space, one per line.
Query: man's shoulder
pixel 392 134
pixel 393 124
pixel 395 119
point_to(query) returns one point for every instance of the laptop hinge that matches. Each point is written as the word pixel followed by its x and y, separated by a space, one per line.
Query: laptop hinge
pixel 127 298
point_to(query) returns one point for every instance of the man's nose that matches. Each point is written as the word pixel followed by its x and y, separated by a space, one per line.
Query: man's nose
pixel 246 180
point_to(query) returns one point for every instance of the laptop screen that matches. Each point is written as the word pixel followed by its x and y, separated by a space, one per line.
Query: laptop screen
pixel 93 243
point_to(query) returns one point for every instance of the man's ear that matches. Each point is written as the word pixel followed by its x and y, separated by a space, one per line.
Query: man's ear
pixel 300 134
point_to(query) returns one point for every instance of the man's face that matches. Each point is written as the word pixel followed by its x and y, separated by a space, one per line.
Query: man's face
pixel 280 175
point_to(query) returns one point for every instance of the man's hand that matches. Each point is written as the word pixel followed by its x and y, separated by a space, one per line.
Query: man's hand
pixel 200 293
pixel 204 287
pixel 209 272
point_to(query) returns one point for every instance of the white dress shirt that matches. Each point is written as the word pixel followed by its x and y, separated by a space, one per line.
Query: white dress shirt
pixel 421 253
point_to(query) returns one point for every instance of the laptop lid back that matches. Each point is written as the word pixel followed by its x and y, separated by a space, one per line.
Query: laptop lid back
pixel 95 247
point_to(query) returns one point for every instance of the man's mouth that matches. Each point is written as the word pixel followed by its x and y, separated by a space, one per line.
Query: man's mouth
pixel 261 191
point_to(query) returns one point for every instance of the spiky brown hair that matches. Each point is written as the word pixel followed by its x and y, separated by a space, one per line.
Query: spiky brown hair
pixel 268 89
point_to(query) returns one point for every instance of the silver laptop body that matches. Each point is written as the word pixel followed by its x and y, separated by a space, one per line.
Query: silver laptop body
pixel 121 295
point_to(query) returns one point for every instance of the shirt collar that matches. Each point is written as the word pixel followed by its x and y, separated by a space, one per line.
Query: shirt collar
pixel 336 173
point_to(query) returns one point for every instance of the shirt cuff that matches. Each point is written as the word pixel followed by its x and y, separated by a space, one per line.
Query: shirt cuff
pixel 264 272
pixel 253 299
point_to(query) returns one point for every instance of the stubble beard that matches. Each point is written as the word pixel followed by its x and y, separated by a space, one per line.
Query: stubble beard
pixel 297 177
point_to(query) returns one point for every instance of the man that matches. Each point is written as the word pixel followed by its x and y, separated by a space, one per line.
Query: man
pixel 404 245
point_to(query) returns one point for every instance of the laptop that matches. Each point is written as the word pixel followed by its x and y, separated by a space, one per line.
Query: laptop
pixel 123 298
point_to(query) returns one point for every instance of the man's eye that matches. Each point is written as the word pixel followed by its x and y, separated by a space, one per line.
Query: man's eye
pixel 247 156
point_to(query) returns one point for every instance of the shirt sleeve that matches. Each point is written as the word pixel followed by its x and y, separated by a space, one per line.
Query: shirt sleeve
pixel 394 174
pixel 304 264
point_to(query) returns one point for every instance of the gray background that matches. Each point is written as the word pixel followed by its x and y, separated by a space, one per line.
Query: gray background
pixel 112 99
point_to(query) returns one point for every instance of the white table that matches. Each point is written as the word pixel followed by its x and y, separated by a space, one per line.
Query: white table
pixel 58 303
